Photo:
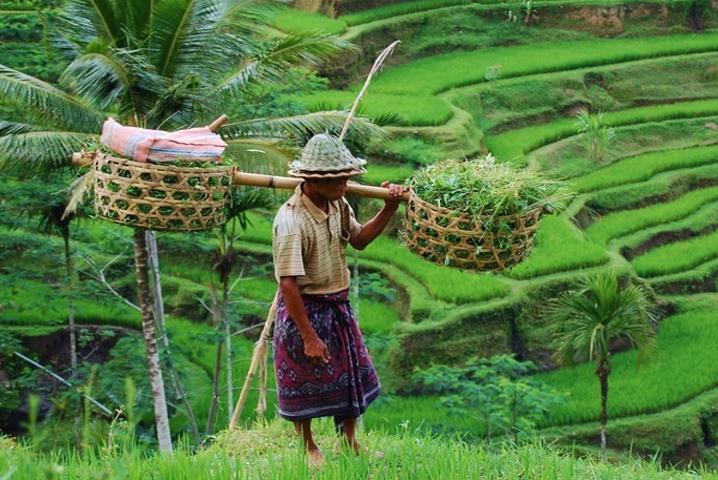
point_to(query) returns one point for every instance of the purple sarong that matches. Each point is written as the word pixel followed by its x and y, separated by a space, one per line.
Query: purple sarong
pixel 342 388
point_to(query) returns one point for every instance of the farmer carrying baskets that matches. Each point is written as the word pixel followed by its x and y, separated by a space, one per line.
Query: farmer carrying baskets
pixel 321 363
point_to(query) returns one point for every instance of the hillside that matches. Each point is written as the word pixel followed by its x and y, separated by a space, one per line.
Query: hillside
pixel 469 78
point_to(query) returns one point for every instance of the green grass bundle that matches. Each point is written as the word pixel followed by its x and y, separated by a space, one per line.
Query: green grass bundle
pixel 484 187
pixel 477 214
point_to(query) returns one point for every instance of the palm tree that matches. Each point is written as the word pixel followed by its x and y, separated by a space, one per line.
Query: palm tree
pixel 161 64
pixel 587 320
pixel 242 201
pixel 597 137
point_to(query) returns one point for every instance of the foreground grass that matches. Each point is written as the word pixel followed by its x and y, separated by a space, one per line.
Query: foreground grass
pixel 271 452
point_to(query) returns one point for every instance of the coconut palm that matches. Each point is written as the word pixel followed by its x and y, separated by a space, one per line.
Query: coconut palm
pixel 162 64
pixel 587 320
pixel 242 201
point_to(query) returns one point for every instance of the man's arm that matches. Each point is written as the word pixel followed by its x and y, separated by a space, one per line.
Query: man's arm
pixel 314 347
pixel 373 228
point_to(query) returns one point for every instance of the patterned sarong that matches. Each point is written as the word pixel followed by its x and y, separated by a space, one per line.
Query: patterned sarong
pixel 342 388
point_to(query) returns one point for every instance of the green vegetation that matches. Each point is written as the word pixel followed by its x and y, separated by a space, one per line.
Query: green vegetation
pixel 405 110
pixel 617 224
pixel 677 256
pixel 643 167
pixel 518 142
pixel 670 376
pixel 560 246
pixel 272 452
pixel 484 188
pixel 298 21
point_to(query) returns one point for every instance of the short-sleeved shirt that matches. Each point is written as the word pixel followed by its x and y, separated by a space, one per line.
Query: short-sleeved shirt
pixel 308 243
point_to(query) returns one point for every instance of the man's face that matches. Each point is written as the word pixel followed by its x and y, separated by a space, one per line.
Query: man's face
pixel 331 188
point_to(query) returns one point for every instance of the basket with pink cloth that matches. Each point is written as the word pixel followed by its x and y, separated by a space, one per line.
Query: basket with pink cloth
pixel 146 183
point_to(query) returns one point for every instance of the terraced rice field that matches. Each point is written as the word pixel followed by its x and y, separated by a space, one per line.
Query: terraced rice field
pixel 647 209
pixel 652 199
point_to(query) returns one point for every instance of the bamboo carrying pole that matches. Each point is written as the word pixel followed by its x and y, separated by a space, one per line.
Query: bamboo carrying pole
pixel 270 181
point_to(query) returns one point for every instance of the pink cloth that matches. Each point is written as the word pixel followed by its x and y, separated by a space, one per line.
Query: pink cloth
pixel 156 146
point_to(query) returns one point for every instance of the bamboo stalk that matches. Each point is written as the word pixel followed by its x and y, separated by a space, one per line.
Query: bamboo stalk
pixel 80 159
pixel 260 349
pixel 290 183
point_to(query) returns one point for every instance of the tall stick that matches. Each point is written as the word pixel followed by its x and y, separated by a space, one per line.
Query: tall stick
pixel 375 68
pixel 260 349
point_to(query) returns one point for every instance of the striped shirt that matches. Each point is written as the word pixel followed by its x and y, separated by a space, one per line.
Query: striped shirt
pixel 307 243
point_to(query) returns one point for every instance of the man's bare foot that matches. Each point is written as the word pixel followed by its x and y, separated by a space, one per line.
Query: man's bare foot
pixel 359 449
pixel 315 458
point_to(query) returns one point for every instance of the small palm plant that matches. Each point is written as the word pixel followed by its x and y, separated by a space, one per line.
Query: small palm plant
pixel 587 320
pixel 598 138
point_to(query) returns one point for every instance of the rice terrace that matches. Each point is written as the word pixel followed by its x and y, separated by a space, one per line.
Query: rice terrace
pixel 211 210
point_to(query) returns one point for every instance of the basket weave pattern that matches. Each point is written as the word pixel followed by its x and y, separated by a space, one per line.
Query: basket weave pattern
pixel 452 238
pixel 160 197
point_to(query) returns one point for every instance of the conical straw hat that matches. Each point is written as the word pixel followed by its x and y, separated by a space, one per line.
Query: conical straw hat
pixel 325 156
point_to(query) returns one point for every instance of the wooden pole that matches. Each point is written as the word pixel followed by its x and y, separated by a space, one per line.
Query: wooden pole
pixel 259 355
pixel 82 159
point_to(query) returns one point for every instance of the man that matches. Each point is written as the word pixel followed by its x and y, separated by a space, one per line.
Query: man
pixel 321 363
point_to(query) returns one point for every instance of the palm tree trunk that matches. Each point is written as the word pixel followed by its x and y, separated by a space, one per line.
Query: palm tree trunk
pixel 214 403
pixel 70 309
pixel 148 332
pixel 602 371
pixel 159 316
pixel 228 349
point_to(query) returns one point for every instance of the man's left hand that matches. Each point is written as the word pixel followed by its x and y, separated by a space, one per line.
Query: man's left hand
pixel 396 192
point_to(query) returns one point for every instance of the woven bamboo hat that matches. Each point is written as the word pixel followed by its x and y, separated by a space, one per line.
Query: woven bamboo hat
pixel 325 156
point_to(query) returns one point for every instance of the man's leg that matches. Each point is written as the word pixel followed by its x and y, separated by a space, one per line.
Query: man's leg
pixel 349 429
pixel 314 455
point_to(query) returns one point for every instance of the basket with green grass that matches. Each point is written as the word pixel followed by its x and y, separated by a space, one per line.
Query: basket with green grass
pixel 477 214
pixel 184 196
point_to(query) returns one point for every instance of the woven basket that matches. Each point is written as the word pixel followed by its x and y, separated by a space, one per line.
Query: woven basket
pixel 455 239
pixel 160 197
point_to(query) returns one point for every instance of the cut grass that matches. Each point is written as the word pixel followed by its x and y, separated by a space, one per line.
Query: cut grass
pixel 674 374
pixel 643 167
pixel 677 256
pixel 622 223
pixel 560 246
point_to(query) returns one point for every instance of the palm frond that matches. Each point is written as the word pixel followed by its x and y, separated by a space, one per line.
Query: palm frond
pixel 39 152
pixel 171 21
pixel 115 78
pixel 81 22
pixel 300 127
pixel 221 34
pixel 46 101
pixel 309 50
pixel 80 188
pixel 97 77
pixel 12 128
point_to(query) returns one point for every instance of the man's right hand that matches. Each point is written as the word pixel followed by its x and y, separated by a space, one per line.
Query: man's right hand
pixel 316 350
